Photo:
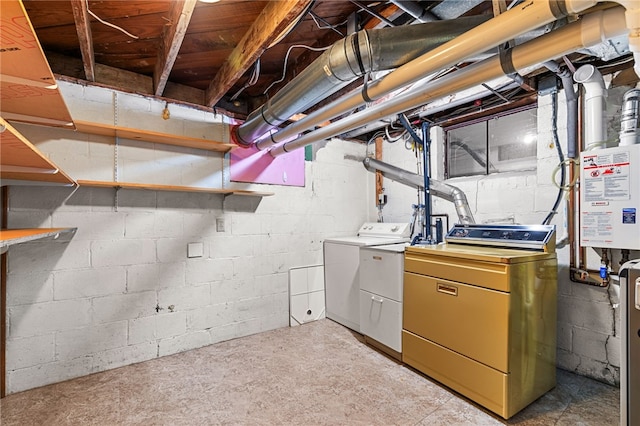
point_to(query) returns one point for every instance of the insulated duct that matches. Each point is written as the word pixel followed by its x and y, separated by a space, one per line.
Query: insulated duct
pixel 347 59
pixel 414 180
pixel 588 31
pixel 520 19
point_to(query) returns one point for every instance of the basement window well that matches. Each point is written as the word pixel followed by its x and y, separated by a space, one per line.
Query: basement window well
pixel 496 144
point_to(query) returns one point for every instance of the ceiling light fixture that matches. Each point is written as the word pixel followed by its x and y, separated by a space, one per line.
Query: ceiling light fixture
pixel 209 1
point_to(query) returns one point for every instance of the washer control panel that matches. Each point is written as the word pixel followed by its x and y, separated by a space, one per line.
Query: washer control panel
pixel 382 229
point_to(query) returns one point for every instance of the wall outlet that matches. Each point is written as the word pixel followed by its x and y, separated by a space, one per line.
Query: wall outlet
pixel 220 224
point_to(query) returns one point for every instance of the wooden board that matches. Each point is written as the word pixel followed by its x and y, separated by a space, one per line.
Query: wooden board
pixel 21 160
pixel 29 90
pixel 151 136
pixel 9 237
pixel 176 188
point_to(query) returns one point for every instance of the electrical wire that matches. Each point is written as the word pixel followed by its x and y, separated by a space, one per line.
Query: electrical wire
pixel 556 140
pixel 252 80
pixel 286 59
pixel 109 24
pixel 327 26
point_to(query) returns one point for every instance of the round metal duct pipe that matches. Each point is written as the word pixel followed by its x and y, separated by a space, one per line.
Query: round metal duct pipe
pixel 346 60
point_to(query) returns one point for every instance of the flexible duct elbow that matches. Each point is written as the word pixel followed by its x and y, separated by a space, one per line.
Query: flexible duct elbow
pixel 436 188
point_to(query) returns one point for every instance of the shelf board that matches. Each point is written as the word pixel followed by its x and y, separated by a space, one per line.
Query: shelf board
pixel 9 237
pixel 21 160
pixel 176 188
pixel 150 136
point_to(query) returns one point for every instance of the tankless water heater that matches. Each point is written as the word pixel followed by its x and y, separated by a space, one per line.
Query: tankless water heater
pixel 610 197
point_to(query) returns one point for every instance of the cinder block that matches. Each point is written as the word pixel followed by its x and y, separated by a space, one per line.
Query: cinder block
pixel 155 276
pixel 96 338
pixel 210 317
pixel 26 289
pixel 122 252
pixel 185 298
pixel 97 225
pixel 42 318
pixel 199 224
pixel 81 283
pixel 44 374
pixel 590 344
pixel 43 256
pixel 136 201
pixel 208 270
pixel 245 224
pixel 127 355
pixel 183 343
pixel 29 219
pixel 226 246
pixel 30 351
pixel 159 326
pixel 123 306
pixel 140 225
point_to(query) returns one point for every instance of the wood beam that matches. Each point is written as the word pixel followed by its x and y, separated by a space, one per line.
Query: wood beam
pixel 273 20
pixel 85 39
pixel 172 36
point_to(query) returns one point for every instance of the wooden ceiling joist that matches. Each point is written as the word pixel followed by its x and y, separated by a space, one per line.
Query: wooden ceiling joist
pixel 83 28
pixel 275 18
pixel 172 37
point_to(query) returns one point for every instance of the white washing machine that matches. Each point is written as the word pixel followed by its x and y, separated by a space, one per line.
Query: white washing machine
pixel 381 277
pixel 342 268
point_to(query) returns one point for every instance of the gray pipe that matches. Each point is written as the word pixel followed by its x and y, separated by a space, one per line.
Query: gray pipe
pixel 347 59
pixel 415 10
pixel 414 180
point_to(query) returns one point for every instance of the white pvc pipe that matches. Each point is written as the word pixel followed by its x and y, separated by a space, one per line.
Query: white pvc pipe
pixel 595 94
pixel 588 31
pixel 524 17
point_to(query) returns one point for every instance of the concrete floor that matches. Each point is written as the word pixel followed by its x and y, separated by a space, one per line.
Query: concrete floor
pixel 316 374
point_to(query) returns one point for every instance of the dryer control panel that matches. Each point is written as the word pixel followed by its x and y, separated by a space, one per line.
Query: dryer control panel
pixel 532 237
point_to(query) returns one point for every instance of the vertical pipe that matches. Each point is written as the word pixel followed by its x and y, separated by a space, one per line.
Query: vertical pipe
pixel 595 131
pixel 4 205
pixel 427 188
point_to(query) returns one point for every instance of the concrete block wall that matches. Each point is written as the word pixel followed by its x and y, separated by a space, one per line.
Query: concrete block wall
pixel 588 317
pixel 123 290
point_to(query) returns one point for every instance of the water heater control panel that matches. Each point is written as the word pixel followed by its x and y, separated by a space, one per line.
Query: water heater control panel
pixel 610 197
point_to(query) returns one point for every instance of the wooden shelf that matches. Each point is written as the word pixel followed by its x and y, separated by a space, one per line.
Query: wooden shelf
pixel 21 160
pixel 9 237
pixel 155 187
pixel 150 136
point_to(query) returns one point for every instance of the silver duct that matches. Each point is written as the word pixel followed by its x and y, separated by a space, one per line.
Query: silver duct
pixel 414 180
pixel 629 122
pixel 589 30
pixel 518 20
pixel 347 59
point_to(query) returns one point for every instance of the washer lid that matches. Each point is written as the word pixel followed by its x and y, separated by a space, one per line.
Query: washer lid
pixel 395 248
pixel 366 241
